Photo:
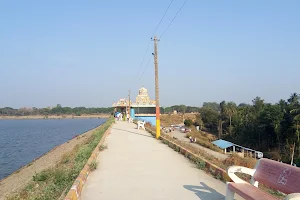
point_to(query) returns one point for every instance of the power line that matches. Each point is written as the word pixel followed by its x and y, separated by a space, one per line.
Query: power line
pixel 143 59
pixel 173 19
pixel 145 68
pixel 162 18
pixel 152 37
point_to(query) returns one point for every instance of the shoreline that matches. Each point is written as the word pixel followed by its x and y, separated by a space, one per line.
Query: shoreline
pixel 55 116
pixel 23 175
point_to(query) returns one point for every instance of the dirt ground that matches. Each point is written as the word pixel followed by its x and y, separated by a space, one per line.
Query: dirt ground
pixel 22 176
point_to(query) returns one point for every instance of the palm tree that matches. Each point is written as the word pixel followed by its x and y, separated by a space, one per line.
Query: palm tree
pixel 230 110
pixel 221 118
pixel 294 99
pixel 296 120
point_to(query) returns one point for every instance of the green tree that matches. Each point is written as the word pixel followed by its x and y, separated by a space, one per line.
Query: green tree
pixel 168 110
pixel 271 117
pixel 230 110
pixel 212 105
pixel 182 108
pixel 210 118
pixel 222 117
pixel 188 122
pixel 296 118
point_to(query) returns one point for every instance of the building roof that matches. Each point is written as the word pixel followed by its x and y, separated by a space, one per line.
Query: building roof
pixel 223 144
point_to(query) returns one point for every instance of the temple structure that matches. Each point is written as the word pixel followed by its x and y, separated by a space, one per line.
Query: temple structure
pixel 142 109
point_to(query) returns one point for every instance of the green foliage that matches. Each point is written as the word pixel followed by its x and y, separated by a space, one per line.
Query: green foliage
pixel 200 164
pixel 42 176
pixel 102 147
pixel 188 122
pixel 93 165
pixel 182 108
pixel 211 105
pixel 209 117
pixel 261 126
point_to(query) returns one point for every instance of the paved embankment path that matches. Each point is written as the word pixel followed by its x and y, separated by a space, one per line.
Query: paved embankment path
pixel 137 166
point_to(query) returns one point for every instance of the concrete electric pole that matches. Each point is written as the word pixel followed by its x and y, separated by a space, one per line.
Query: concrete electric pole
pixel 156 88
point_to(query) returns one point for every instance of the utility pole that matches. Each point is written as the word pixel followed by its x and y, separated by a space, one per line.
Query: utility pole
pixel 156 88
pixel 129 101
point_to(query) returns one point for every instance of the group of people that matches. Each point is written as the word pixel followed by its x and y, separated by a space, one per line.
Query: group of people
pixel 119 117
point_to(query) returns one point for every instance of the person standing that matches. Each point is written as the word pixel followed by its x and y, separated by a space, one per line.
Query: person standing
pixel 128 117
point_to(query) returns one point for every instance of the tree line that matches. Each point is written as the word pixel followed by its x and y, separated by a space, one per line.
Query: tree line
pixel 272 128
pixel 179 108
pixel 58 110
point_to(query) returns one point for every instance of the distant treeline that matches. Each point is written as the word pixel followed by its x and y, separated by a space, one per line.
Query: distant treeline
pixel 58 110
pixel 179 108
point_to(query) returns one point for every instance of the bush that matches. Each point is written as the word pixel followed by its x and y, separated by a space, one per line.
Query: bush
pixel 93 165
pixel 102 147
pixel 200 164
pixel 42 176
pixel 188 122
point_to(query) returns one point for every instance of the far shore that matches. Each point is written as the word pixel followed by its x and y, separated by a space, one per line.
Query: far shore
pixel 56 116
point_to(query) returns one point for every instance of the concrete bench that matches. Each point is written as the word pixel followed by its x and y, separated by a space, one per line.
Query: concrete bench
pixel 279 176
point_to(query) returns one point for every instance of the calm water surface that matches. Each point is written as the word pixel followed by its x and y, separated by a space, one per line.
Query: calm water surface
pixel 21 141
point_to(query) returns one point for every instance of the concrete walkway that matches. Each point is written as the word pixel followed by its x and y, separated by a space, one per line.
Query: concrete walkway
pixel 137 166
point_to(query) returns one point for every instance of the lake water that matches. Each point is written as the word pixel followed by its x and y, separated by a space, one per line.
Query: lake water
pixel 21 141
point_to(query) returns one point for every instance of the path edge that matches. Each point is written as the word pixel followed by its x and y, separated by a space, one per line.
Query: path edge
pixel 76 189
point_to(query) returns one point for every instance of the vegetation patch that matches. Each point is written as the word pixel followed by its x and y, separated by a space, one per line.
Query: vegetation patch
pixel 93 165
pixel 55 182
pixel 102 147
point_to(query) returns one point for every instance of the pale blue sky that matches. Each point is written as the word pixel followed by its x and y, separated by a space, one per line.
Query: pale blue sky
pixel 88 53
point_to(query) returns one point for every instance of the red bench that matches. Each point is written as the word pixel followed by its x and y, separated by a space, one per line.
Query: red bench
pixel 279 176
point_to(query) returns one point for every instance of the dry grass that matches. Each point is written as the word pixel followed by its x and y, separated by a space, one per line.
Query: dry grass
pixel 234 159
pixel 204 139
pixel 169 119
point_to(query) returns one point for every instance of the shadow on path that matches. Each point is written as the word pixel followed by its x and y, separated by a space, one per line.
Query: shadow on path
pixel 204 192
pixel 133 132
